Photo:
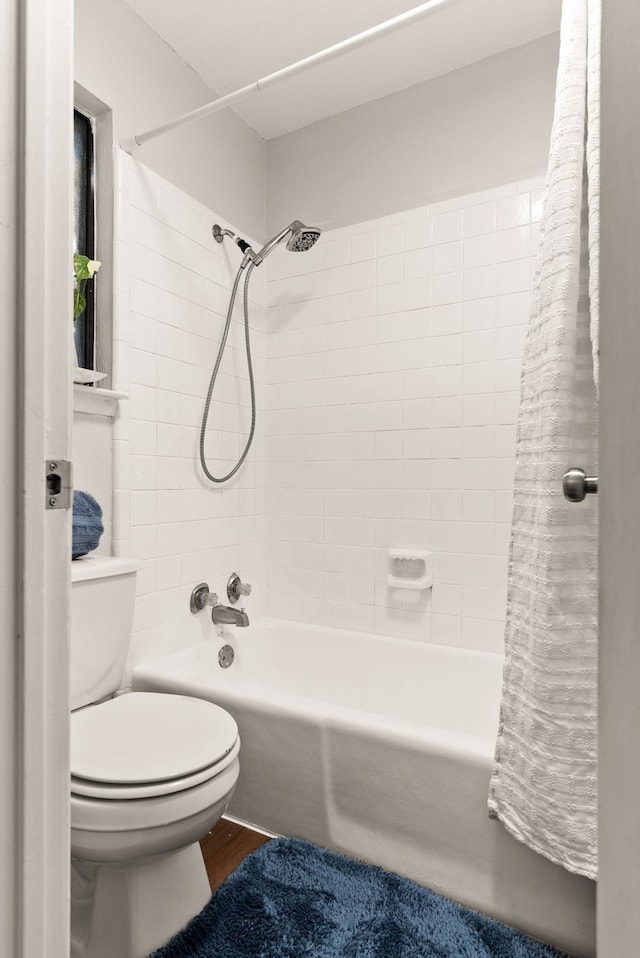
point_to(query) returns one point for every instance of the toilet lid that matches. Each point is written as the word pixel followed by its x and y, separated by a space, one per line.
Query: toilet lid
pixel 144 738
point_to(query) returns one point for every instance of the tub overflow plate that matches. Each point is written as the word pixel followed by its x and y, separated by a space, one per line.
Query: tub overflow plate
pixel 225 656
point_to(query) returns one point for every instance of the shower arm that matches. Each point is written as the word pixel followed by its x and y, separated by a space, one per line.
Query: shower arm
pixel 131 143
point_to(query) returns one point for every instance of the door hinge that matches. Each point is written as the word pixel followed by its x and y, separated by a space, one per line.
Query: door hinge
pixel 58 484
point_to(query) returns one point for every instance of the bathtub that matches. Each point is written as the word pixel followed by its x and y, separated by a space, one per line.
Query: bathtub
pixel 381 749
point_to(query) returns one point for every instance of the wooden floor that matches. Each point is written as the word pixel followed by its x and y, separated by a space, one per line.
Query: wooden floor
pixel 224 848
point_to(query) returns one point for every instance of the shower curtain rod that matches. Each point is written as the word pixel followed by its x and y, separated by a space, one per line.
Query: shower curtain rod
pixel 133 142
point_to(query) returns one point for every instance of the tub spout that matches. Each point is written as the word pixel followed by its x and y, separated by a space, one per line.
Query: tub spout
pixel 225 615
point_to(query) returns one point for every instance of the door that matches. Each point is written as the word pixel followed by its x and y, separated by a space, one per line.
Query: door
pixel 35 383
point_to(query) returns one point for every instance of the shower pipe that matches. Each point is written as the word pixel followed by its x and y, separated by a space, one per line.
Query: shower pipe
pixel 131 143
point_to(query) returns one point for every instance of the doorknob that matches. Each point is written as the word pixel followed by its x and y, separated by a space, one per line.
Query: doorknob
pixel 576 484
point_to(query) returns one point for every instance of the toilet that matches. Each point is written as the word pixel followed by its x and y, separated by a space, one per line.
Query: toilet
pixel 151 773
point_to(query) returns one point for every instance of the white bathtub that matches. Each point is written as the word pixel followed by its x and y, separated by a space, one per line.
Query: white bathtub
pixel 381 749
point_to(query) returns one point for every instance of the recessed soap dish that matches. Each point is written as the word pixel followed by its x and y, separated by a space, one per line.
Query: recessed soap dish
pixel 410 569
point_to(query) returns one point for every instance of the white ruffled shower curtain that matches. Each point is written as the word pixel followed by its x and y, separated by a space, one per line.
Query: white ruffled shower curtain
pixel 544 778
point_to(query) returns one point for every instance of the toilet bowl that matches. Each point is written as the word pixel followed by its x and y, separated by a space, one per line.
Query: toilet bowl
pixel 151 773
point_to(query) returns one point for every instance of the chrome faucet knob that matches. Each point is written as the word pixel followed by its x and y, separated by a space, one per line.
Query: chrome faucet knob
pixel 201 598
pixel 236 588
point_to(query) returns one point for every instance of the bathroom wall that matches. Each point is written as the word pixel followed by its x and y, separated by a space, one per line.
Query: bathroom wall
pixel 172 288
pixel 220 161
pixel 477 127
pixel 394 354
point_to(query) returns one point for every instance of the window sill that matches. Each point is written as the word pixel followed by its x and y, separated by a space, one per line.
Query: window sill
pixel 96 402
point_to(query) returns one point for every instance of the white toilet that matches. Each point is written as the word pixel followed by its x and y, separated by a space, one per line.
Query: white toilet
pixel 151 773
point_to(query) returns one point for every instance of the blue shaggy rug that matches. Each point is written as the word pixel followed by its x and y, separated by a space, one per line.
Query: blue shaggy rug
pixel 291 899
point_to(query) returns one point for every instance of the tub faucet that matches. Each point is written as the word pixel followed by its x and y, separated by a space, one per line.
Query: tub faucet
pixel 224 615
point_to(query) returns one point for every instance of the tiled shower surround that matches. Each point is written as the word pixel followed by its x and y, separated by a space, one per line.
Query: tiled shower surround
pixel 393 369
pixel 387 363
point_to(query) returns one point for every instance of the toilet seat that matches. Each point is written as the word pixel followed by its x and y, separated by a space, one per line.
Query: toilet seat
pixel 146 744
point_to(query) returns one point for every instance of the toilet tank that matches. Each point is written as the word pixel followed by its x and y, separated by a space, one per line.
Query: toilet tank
pixel 103 590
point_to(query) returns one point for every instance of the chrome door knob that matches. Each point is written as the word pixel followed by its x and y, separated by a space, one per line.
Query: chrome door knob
pixel 576 484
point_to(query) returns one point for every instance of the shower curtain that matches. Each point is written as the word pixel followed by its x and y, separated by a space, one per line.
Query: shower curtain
pixel 543 782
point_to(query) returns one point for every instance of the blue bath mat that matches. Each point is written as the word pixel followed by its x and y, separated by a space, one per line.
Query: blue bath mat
pixel 291 899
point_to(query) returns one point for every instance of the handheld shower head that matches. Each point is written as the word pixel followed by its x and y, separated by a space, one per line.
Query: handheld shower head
pixel 300 238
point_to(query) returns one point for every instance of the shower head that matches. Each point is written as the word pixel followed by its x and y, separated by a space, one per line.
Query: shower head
pixel 302 237
pixel 299 238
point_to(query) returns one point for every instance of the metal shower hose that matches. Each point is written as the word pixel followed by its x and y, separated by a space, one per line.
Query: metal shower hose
pixel 214 374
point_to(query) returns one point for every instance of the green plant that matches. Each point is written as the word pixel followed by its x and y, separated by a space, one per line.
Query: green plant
pixel 83 270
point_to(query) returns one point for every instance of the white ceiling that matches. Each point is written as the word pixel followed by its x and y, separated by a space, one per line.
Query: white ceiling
pixel 231 44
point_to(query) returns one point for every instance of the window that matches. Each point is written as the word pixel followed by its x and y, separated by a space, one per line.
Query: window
pixel 93 230
pixel 84 231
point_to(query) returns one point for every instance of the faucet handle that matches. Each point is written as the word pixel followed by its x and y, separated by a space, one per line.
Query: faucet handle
pixel 236 588
pixel 201 598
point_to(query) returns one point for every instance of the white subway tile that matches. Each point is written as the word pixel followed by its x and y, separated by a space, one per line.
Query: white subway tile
pixel 389 269
pixel 418 293
pixel 479 219
pixel 447 257
pixel 446 505
pixel 479 250
pixel 418 233
pixel 418 263
pixel 389 327
pixel 477 634
pixel 363 303
pixel 513 211
pixel 447 411
pixel 447 319
pixel 447 381
pixel 417 353
pixel 478 505
pixel 338 280
pixel 337 252
pixel 447 350
pixel 447 443
pixel 448 288
pixel 389 239
pixel 513 244
pixel 447 227
pixel 417 413
pixel 363 246
pixel 142 297
pixel 417 383
pixel 480 283
pixel 479 314
pixel 447 599
pixel 446 629
pixel 390 299
pixel 513 276
pixel 510 342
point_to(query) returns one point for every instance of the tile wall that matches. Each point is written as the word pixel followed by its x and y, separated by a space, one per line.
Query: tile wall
pixel 387 364
pixel 392 381
pixel 172 284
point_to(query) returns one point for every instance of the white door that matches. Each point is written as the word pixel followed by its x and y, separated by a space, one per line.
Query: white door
pixel 619 499
pixel 35 373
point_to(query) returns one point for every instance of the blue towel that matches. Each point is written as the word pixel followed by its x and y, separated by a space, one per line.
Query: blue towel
pixel 87 525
